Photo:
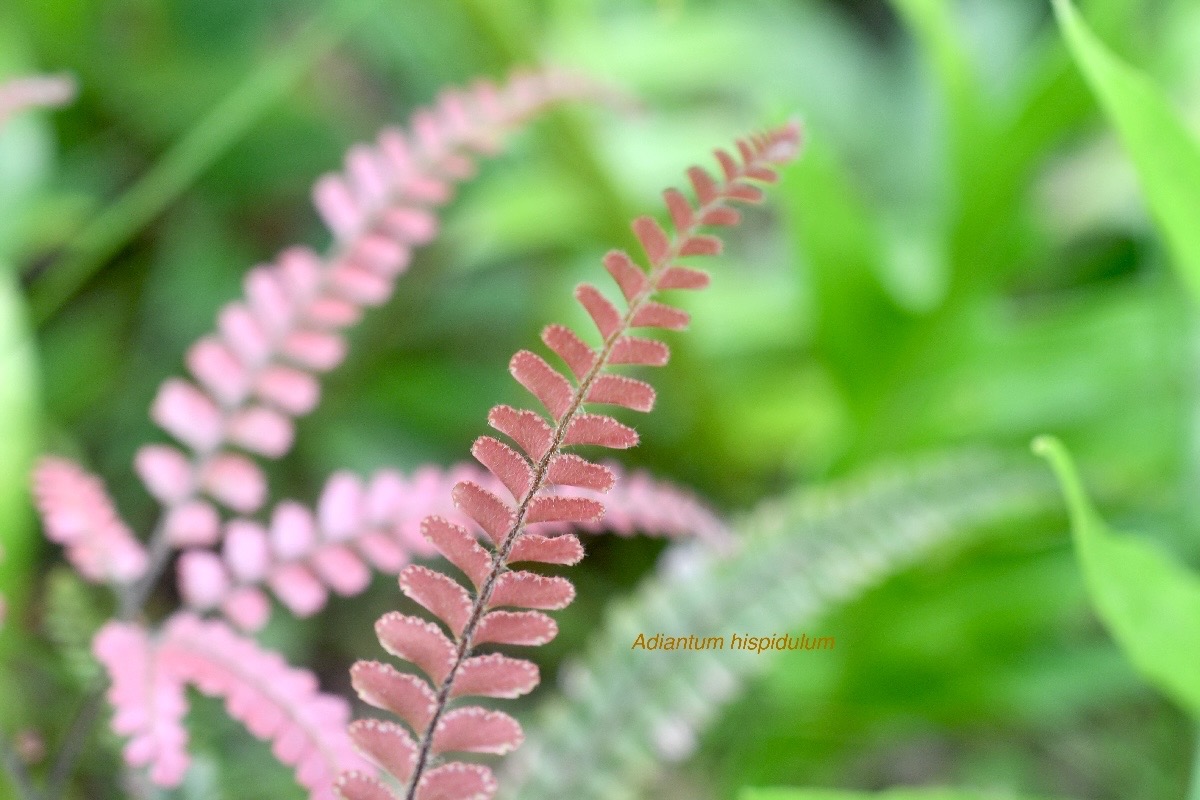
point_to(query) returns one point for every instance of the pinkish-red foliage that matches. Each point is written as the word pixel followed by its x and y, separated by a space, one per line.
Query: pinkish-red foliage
pixel 148 702
pixel 274 701
pixel 77 513
pixel 257 372
pixel 301 556
pixel 449 661
pixel 249 381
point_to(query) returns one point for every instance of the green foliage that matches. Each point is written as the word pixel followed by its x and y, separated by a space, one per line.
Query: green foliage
pixel 74 612
pixel 192 155
pixel 1147 599
pixel 935 26
pixel 630 709
pixel 18 431
pixel 26 149
pixel 1165 153
pixel 898 794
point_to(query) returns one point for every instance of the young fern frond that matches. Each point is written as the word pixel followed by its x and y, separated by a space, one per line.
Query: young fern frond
pixel 303 555
pixel 257 372
pixel 274 701
pixel 479 617
pixel 626 712
pixel 71 617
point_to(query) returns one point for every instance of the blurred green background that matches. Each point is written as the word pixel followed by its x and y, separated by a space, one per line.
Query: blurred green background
pixel 962 256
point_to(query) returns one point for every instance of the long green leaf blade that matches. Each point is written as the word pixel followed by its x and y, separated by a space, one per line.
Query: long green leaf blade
pixel 1164 152
pixel 18 432
pixel 1149 602
pixel 194 153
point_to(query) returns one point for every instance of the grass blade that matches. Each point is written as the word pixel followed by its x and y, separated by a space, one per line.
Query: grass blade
pixel 1164 152
pixel 188 158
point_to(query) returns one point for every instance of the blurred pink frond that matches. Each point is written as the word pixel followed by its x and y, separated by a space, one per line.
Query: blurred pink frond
pixel 520 495
pixel 34 91
pixel 301 555
pixel 258 371
pixel 78 514
pixel 274 701
pixel 148 702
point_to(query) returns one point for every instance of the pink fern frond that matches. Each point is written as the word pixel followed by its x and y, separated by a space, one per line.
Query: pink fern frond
pixel 252 377
pixel 34 91
pixel 148 702
pixel 274 701
pixel 521 496
pixel 78 514
pixel 303 556
pixel 639 503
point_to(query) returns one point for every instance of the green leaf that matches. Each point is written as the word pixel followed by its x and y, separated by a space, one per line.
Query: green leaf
pixel 74 611
pixel 858 326
pixel 26 153
pixel 898 794
pixel 1149 602
pixel 1165 154
pixel 936 30
pixel 18 429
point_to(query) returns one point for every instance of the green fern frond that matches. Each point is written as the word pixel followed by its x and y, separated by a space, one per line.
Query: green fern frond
pixel 625 711
pixel 74 612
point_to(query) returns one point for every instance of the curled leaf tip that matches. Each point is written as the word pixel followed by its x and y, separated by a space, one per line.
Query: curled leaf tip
pixel 1045 444
pixel 1078 504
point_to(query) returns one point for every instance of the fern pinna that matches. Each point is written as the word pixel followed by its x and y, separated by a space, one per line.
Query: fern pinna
pixel 480 617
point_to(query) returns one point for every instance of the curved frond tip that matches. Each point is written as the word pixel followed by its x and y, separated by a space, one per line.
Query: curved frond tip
pixel 78 514
pixel 274 701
